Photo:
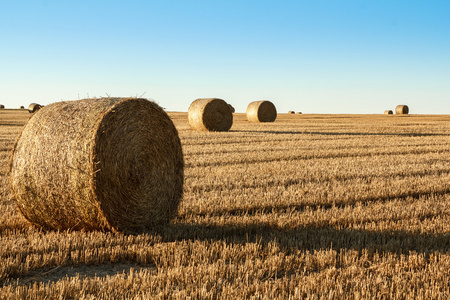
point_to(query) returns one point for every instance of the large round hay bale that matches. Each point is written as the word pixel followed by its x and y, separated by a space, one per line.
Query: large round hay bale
pixel 388 112
pixel 2 106
pixel 33 107
pixel 401 110
pixel 210 114
pixel 261 111
pixel 232 108
pixel 107 164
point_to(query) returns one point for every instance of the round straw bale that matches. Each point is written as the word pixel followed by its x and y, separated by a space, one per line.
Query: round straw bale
pixel 22 107
pixel 231 108
pixel 98 164
pixel 210 114
pixel 401 110
pixel 2 106
pixel 261 111
pixel 33 107
pixel 299 113
pixel 388 112
pixel 291 112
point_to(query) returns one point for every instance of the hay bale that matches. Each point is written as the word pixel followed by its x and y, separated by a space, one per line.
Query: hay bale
pixel 388 112
pixel 2 106
pixel 22 107
pixel 261 111
pixel 34 107
pixel 232 108
pixel 299 113
pixel 98 164
pixel 291 112
pixel 210 114
pixel 401 110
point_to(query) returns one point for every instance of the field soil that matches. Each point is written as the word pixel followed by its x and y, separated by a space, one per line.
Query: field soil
pixel 306 207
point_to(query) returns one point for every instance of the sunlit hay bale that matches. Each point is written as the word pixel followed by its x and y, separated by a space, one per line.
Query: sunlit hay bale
pixel 22 107
pixel 2 106
pixel 210 114
pixel 291 112
pixel 388 112
pixel 34 107
pixel 299 113
pixel 231 108
pixel 401 110
pixel 261 111
pixel 98 164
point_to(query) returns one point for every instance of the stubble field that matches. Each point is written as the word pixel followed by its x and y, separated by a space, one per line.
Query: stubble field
pixel 310 206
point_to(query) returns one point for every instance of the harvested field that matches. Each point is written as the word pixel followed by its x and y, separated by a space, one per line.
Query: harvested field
pixel 322 206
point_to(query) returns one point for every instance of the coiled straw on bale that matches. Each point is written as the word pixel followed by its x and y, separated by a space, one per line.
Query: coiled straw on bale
pixel 210 114
pixel 261 111
pixel 107 164
pixel 401 110
pixel 388 112
pixel 33 107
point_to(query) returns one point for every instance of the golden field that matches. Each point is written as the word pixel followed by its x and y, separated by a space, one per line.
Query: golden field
pixel 307 207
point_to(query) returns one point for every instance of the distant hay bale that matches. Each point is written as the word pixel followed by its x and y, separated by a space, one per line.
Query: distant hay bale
pixel 388 112
pixel 22 107
pixel 261 111
pixel 34 107
pixel 299 113
pixel 231 108
pixel 291 112
pixel 2 106
pixel 210 114
pixel 401 110
pixel 98 164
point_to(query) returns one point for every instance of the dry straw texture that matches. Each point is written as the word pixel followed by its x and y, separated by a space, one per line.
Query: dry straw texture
pixel 210 114
pixel 108 163
pixel 401 110
pixel 33 107
pixel 388 112
pixel 261 111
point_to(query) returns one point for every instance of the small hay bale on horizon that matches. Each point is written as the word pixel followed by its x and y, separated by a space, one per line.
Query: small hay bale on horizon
pixel 299 113
pixel 261 111
pixel 34 107
pixel 402 110
pixel 291 112
pixel 210 114
pixel 2 106
pixel 22 107
pixel 388 112
pixel 98 164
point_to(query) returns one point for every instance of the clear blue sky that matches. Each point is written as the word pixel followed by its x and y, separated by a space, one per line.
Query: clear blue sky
pixel 313 56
